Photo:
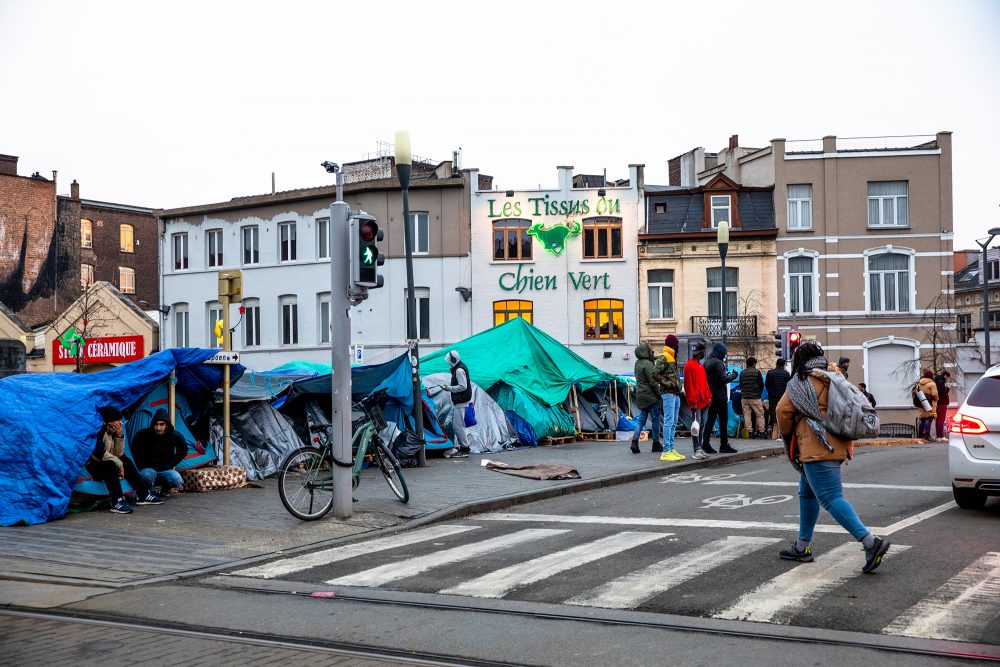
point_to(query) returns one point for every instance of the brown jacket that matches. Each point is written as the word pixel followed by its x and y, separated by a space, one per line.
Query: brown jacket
pixel 808 445
pixel 927 386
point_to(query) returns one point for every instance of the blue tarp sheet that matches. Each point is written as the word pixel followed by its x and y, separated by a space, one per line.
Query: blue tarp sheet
pixel 49 422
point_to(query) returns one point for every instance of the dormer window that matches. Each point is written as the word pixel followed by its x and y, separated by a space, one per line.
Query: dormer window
pixel 721 209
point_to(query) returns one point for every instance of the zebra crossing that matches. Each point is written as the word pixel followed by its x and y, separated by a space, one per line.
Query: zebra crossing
pixel 657 563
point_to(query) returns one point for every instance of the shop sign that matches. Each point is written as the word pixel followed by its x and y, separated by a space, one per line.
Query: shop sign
pixel 553 238
pixel 528 282
pixel 107 350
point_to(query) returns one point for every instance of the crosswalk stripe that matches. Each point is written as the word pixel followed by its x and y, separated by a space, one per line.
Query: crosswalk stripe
pixel 378 576
pixel 499 583
pixel 662 523
pixel 334 554
pixel 958 610
pixel 779 599
pixel 631 590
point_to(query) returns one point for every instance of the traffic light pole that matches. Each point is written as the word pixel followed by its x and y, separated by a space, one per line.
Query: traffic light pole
pixel 340 337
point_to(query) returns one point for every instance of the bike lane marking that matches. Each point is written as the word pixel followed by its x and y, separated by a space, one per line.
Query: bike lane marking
pixel 383 574
pixel 499 583
pixel 334 554
pixel 846 485
pixel 634 588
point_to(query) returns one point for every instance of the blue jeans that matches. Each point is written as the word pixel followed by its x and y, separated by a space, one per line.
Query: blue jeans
pixel 170 479
pixel 820 485
pixel 671 406
pixel 699 415
pixel 656 412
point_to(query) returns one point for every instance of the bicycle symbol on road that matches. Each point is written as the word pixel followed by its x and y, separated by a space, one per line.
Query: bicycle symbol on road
pixel 734 501
pixel 692 477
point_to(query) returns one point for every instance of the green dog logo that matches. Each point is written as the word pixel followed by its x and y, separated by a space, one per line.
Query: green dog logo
pixel 554 238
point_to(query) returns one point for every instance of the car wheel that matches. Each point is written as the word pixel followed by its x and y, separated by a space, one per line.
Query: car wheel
pixel 968 499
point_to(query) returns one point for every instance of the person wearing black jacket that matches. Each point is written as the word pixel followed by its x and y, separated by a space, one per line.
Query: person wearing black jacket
pixel 751 387
pixel 775 383
pixel 158 449
pixel 108 463
pixel 944 396
pixel 719 378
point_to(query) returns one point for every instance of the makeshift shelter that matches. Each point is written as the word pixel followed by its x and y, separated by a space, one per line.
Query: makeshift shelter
pixel 525 370
pixel 50 422
pixel 491 433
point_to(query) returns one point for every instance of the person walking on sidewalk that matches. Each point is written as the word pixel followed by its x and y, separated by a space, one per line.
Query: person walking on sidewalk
pixel 775 383
pixel 647 397
pixel 158 449
pixel 818 455
pixel 716 372
pixel 927 417
pixel 109 464
pixel 944 397
pixel 698 396
pixel 864 390
pixel 461 395
pixel 751 387
pixel 665 372
pixel 842 365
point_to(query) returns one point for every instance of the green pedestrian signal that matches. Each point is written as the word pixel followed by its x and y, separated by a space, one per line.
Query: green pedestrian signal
pixel 367 255
pixel 365 234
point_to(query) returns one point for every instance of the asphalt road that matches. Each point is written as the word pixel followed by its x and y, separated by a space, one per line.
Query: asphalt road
pixel 704 545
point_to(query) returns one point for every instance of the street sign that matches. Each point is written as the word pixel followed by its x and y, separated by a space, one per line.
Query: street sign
pixel 224 357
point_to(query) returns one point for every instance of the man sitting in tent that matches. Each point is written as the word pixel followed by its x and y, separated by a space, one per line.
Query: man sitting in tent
pixel 109 464
pixel 461 394
pixel 158 449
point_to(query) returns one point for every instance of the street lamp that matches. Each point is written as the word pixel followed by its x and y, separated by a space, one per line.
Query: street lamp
pixel 404 164
pixel 984 270
pixel 722 236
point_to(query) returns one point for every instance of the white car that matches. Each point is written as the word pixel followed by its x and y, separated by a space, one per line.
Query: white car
pixel 974 444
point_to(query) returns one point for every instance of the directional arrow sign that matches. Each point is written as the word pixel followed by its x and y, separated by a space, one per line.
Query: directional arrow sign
pixel 223 357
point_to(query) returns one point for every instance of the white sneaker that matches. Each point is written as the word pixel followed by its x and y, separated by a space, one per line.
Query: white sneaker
pixel 448 453
pixel 700 455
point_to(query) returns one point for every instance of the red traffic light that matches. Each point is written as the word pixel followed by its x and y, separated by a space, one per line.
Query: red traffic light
pixel 368 231
pixel 794 337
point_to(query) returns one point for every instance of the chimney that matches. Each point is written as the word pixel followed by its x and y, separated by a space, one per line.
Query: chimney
pixel 74 190
pixel 565 176
pixel 734 141
pixel 8 165
pixel 455 168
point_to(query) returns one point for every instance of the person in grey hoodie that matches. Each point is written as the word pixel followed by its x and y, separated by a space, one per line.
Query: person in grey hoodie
pixel 716 370
pixel 461 396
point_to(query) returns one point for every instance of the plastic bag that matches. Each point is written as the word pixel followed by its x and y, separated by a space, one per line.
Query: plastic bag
pixel 406 447
pixel 470 415
pixel 695 428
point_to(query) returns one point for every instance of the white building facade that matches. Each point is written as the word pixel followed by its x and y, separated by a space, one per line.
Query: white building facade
pixel 565 259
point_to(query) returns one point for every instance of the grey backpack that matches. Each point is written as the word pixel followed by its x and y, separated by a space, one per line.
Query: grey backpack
pixel 849 415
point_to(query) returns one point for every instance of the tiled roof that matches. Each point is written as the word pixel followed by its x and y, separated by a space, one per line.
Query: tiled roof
pixel 970 277
pixel 9 314
pixel 685 211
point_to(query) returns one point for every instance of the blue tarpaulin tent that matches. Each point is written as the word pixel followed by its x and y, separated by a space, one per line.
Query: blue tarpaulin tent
pixel 49 422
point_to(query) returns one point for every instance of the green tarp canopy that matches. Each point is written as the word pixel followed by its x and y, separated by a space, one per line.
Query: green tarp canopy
pixel 522 356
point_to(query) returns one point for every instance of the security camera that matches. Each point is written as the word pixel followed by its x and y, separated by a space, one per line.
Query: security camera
pixel 331 167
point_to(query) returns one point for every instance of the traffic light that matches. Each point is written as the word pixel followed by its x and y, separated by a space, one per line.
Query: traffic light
pixel 219 330
pixel 365 257
pixel 779 344
pixel 794 338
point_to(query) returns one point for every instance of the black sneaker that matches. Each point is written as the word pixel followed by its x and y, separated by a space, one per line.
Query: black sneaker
pixel 873 556
pixel 794 553
pixel 727 450
pixel 657 447
pixel 635 447
pixel 149 499
pixel 121 506
pixel 708 449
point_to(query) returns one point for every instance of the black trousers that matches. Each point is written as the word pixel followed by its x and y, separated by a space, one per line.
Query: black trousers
pixel 107 472
pixel 942 415
pixel 717 409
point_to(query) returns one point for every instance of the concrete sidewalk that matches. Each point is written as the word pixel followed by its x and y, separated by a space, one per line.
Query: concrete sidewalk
pixel 93 552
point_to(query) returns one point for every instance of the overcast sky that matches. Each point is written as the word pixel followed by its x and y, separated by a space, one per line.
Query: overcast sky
pixel 182 103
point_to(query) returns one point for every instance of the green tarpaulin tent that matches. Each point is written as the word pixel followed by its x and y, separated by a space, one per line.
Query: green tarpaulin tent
pixel 521 356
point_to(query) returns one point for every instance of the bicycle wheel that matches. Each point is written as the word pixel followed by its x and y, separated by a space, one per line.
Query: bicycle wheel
pixel 391 471
pixel 305 483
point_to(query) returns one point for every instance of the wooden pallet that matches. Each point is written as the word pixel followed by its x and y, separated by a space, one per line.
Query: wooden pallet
pixel 597 435
pixel 562 440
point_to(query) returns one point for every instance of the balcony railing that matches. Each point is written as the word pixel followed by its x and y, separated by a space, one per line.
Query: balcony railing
pixel 740 326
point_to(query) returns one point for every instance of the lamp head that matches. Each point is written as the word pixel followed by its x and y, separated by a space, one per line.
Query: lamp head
pixel 403 155
pixel 995 231
pixel 722 233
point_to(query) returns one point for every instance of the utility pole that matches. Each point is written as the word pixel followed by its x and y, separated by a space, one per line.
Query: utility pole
pixel 340 344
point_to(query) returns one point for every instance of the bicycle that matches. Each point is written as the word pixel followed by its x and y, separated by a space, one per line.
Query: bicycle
pixel 305 480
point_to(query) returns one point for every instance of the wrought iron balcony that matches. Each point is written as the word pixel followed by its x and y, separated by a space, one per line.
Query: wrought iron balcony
pixel 738 327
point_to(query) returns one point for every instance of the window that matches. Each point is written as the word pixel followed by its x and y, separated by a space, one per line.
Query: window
pixel 720 210
pixel 322 238
pixel 659 208
pixel 800 206
pixel 251 322
pixel 511 240
pixel 213 240
pixel 889 282
pixel 964 327
pixel 289 320
pixel 508 310
pixel 994 320
pixel 86 275
pixel 126 242
pixel 887 204
pixel 420 230
pixel 324 317
pixel 602 238
pixel 993 269
pixel 181 331
pixel 86 233
pixel 800 284
pixel 286 236
pixel 661 294
pixel 422 297
pixel 251 245
pixel 604 319
pixel 126 280
pixel 180 251
pixel 214 309
pixel 890 374
pixel 715 291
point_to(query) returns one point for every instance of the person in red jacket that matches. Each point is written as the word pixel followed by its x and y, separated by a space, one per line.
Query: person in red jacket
pixel 697 394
